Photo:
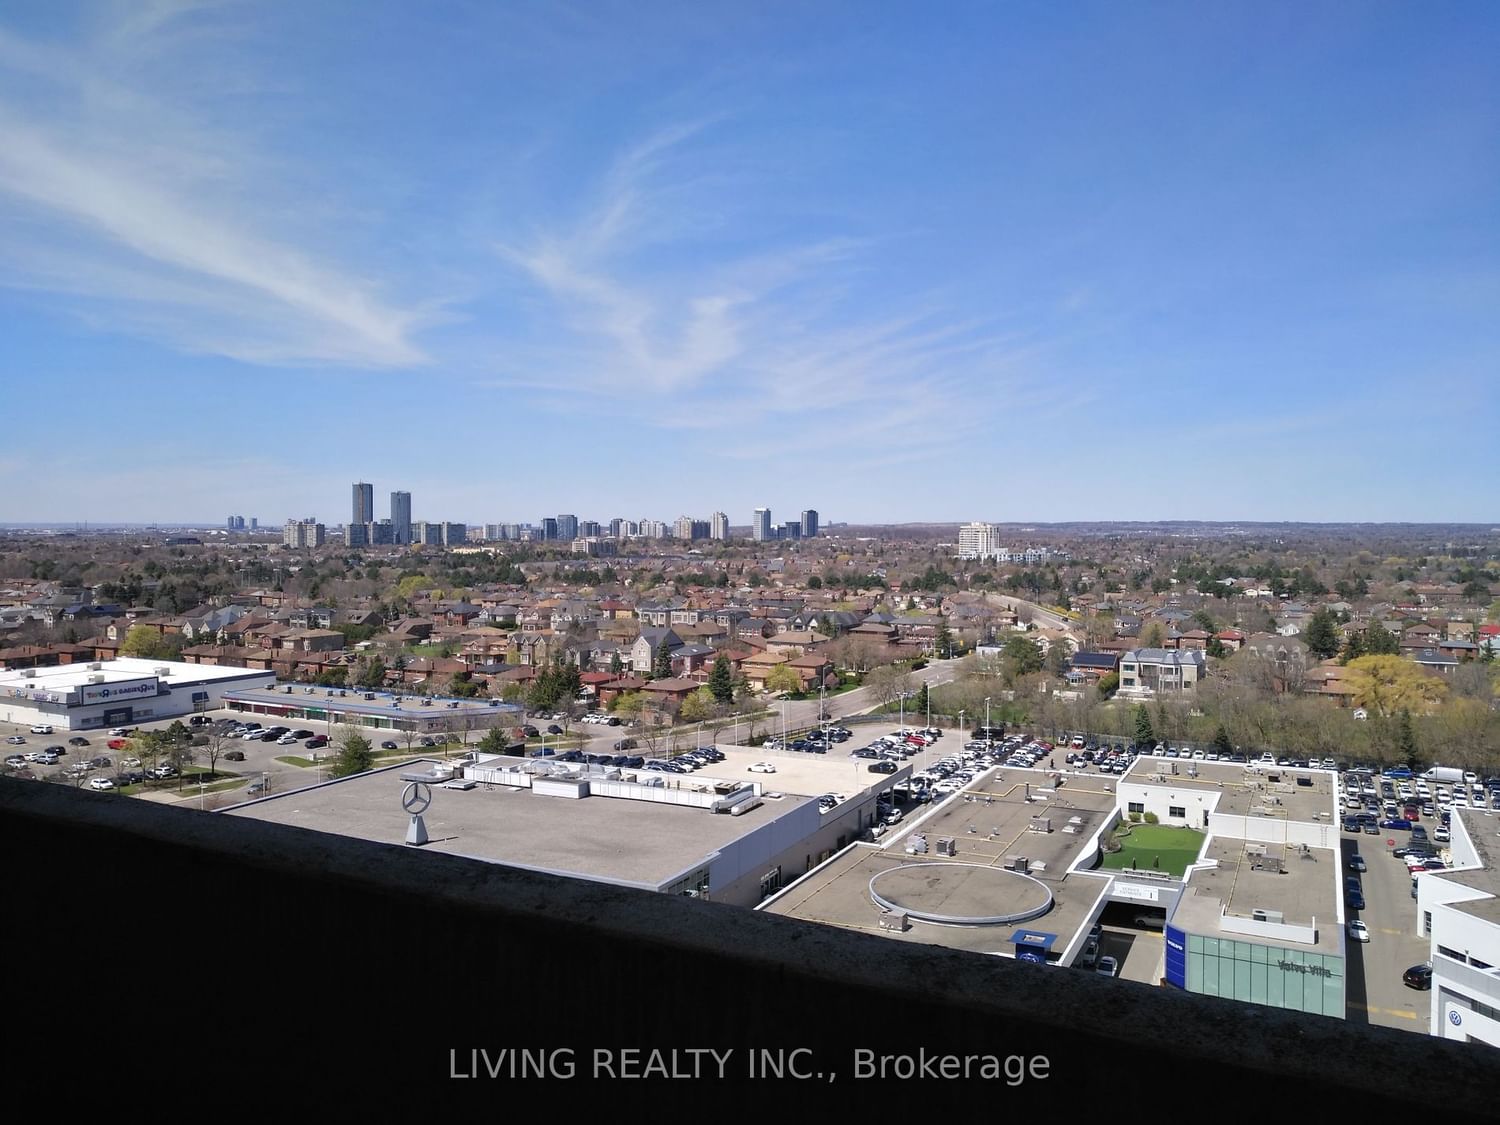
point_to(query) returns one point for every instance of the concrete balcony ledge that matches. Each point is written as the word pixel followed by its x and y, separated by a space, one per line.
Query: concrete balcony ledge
pixel 329 965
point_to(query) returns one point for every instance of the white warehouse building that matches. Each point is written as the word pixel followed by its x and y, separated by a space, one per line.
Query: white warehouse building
pixel 121 692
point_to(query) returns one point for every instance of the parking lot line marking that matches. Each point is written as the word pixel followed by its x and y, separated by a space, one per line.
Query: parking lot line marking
pixel 1399 1012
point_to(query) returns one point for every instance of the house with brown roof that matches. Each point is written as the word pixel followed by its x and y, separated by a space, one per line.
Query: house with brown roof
pixel 666 696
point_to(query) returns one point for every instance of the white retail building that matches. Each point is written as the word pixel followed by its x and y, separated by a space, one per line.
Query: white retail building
pixel 121 692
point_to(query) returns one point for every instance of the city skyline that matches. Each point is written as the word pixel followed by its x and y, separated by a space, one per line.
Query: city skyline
pixel 938 260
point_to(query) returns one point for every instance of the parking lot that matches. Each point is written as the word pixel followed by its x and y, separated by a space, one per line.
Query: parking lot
pixel 259 765
pixel 1373 989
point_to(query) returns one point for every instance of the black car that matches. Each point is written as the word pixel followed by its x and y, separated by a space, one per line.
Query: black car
pixel 882 767
pixel 78 742
pixel 625 744
pixel 530 732
pixel 1356 900
pixel 1418 977
pixel 389 745
pixel 554 729
pixel 235 756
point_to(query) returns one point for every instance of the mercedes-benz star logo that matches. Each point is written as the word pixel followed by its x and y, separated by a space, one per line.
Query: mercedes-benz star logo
pixel 416 798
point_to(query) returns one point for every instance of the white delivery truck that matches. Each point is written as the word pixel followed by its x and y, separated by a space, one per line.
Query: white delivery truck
pixel 1444 775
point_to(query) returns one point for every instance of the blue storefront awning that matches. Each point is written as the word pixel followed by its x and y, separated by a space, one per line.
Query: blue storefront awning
pixel 1033 940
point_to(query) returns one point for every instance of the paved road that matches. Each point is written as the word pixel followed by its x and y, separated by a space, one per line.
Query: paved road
pixel 1373 988
pixel 1041 616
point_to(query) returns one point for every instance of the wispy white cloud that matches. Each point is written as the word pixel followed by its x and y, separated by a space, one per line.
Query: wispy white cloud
pixel 154 213
pixel 680 325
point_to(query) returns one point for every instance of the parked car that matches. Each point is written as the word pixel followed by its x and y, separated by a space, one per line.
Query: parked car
pixel 1356 900
pixel 78 742
pixel 317 742
pixel 1357 863
pixel 16 740
pixel 1418 977
pixel 1107 967
pixel 101 783
pixel 1359 931
pixel 41 728
pixel 882 767
pixel 389 745
pixel 232 756
pixel 625 744
pixel 554 729
pixel 762 767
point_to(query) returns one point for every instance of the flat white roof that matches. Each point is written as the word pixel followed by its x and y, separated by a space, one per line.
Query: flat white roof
pixel 67 677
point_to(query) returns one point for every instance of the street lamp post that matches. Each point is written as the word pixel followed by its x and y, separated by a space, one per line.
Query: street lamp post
pixel 986 715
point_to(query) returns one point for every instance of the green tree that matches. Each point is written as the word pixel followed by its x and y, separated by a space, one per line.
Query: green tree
pixel 698 706
pixel 942 643
pixel 920 702
pixel 661 666
pixel 1392 684
pixel 1023 655
pixel 1380 641
pixel 1222 743
pixel 628 704
pixel 1144 734
pixel 371 673
pixel 1216 648
pixel 1322 636
pixel 146 643
pixel 1108 684
pixel 616 665
pixel 814 583
pixel 355 755
pixel 721 682
pixel 495 742
pixel 1406 739
pixel 782 678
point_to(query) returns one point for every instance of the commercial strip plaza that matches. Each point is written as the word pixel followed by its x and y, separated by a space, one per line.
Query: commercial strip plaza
pixel 382 710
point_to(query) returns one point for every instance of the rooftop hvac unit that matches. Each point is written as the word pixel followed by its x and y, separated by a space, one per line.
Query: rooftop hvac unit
pixel 1017 863
pixel 1266 915
pixel 96 666
pixel 894 920
pixel 946 846
pixel 96 679
pixel 162 670
pixel 29 673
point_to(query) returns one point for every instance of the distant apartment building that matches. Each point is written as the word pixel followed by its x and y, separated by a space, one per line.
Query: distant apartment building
pixel 810 524
pixel 718 526
pixel 254 523
pixel 303 533
pixel 688 528
pixel 427 533
pixel 654 529
pixel 381 533
pixel 234 523
pixel 454 534
pixel 567 528
pixel 789 531
pixel 363 510
pixel 760 525
pixel 401 517
pixel 588 529
pixel 357 535
pixel 978 541
pixel 549 528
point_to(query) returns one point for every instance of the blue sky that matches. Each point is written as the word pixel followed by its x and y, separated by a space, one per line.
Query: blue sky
pixel 1019 261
